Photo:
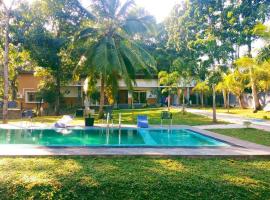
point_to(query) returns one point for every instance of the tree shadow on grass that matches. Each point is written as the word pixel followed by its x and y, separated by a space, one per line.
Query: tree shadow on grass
pixel 132 178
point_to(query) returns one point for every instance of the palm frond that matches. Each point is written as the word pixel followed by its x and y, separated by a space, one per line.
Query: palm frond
pixel 86 34
pixel 124 9
pixel 100 59
pixel 144 56
pixel 113 6
pixel 138 57
pixel 118 62
pixel 144 24
pixel 113 54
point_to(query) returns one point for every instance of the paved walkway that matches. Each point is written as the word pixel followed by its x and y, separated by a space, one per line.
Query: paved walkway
pixel 236 120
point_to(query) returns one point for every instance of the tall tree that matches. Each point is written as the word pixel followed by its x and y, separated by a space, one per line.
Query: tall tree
pixel 6 10
pixel 197 30
pixel 252 12
pixel 209 42
pixel 111 45
pixel 49 27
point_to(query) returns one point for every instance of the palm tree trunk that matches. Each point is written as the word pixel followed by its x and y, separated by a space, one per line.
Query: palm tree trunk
pixel 183 102
pixel 214 105
pixel 240 101
pixel 228 102
pixel 6 73
pixel 224 93
pixel 13 89
pixel 202 101
pixel 102 96
pixel 256 103
pixel 58 90
pixel 169 102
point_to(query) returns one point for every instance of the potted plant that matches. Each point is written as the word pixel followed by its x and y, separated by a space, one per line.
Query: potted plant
pixel 89 121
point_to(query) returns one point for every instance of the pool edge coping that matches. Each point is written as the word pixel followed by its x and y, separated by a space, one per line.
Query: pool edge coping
pixel 242 149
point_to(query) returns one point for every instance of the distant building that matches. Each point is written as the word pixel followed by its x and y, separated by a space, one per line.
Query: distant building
pixel 145 92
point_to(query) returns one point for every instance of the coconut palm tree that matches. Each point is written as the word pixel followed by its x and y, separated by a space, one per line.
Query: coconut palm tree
pixel 202 88
pixel 223 88
pixel 111 45
pixel 237 82
pixel 251 65
pixel 170 82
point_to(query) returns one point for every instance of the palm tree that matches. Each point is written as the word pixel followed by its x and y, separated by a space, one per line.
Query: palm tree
pixel 223 88
pixel 251 65
pixel 202 88
pixel 170 82
pixel 110 40
pixel 237 82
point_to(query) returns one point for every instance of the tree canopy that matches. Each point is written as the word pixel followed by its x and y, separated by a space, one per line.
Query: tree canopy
pixel 111 47
pixel 208 42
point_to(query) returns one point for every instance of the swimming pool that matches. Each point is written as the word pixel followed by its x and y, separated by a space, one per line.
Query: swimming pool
pixel 101 137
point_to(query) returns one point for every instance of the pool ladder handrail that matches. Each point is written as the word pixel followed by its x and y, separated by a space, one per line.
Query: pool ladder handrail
pixel 107 119
pixel 120 119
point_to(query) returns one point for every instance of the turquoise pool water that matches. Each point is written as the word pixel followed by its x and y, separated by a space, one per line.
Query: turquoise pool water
pixel 108 138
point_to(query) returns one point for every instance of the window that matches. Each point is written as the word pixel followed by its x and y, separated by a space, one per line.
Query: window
pixel 139 97
pixel 31 97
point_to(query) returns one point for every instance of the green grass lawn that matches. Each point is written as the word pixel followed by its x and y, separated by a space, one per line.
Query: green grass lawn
pixel 133 178
pixel 243 112
pixel 249 134
pixel 130 117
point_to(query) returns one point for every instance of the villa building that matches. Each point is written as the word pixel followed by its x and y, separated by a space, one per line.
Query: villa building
pixel 145 92
pixel 27 88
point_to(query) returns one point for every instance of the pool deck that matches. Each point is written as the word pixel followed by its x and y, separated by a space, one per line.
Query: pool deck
pixel 239 148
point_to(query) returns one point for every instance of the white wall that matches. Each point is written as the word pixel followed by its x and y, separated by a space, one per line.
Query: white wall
pixel 145 83
pixel 150 83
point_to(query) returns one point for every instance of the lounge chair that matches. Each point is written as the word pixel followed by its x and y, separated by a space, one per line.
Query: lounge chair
pixel 142 121
pixel 166 115
pixel 63 122
pixel 29 114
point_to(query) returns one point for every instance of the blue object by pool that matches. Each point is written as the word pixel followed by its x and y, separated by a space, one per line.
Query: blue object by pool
pixel 97 137
pixel 142 121
pixel 11 104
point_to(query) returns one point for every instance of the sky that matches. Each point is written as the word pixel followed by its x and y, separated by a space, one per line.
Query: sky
pixel 160 9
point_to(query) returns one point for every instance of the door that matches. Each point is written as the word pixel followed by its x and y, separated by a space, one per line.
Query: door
pixel 122 97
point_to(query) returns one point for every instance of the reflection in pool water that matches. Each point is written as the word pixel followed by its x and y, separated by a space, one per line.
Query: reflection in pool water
pixel 108 137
